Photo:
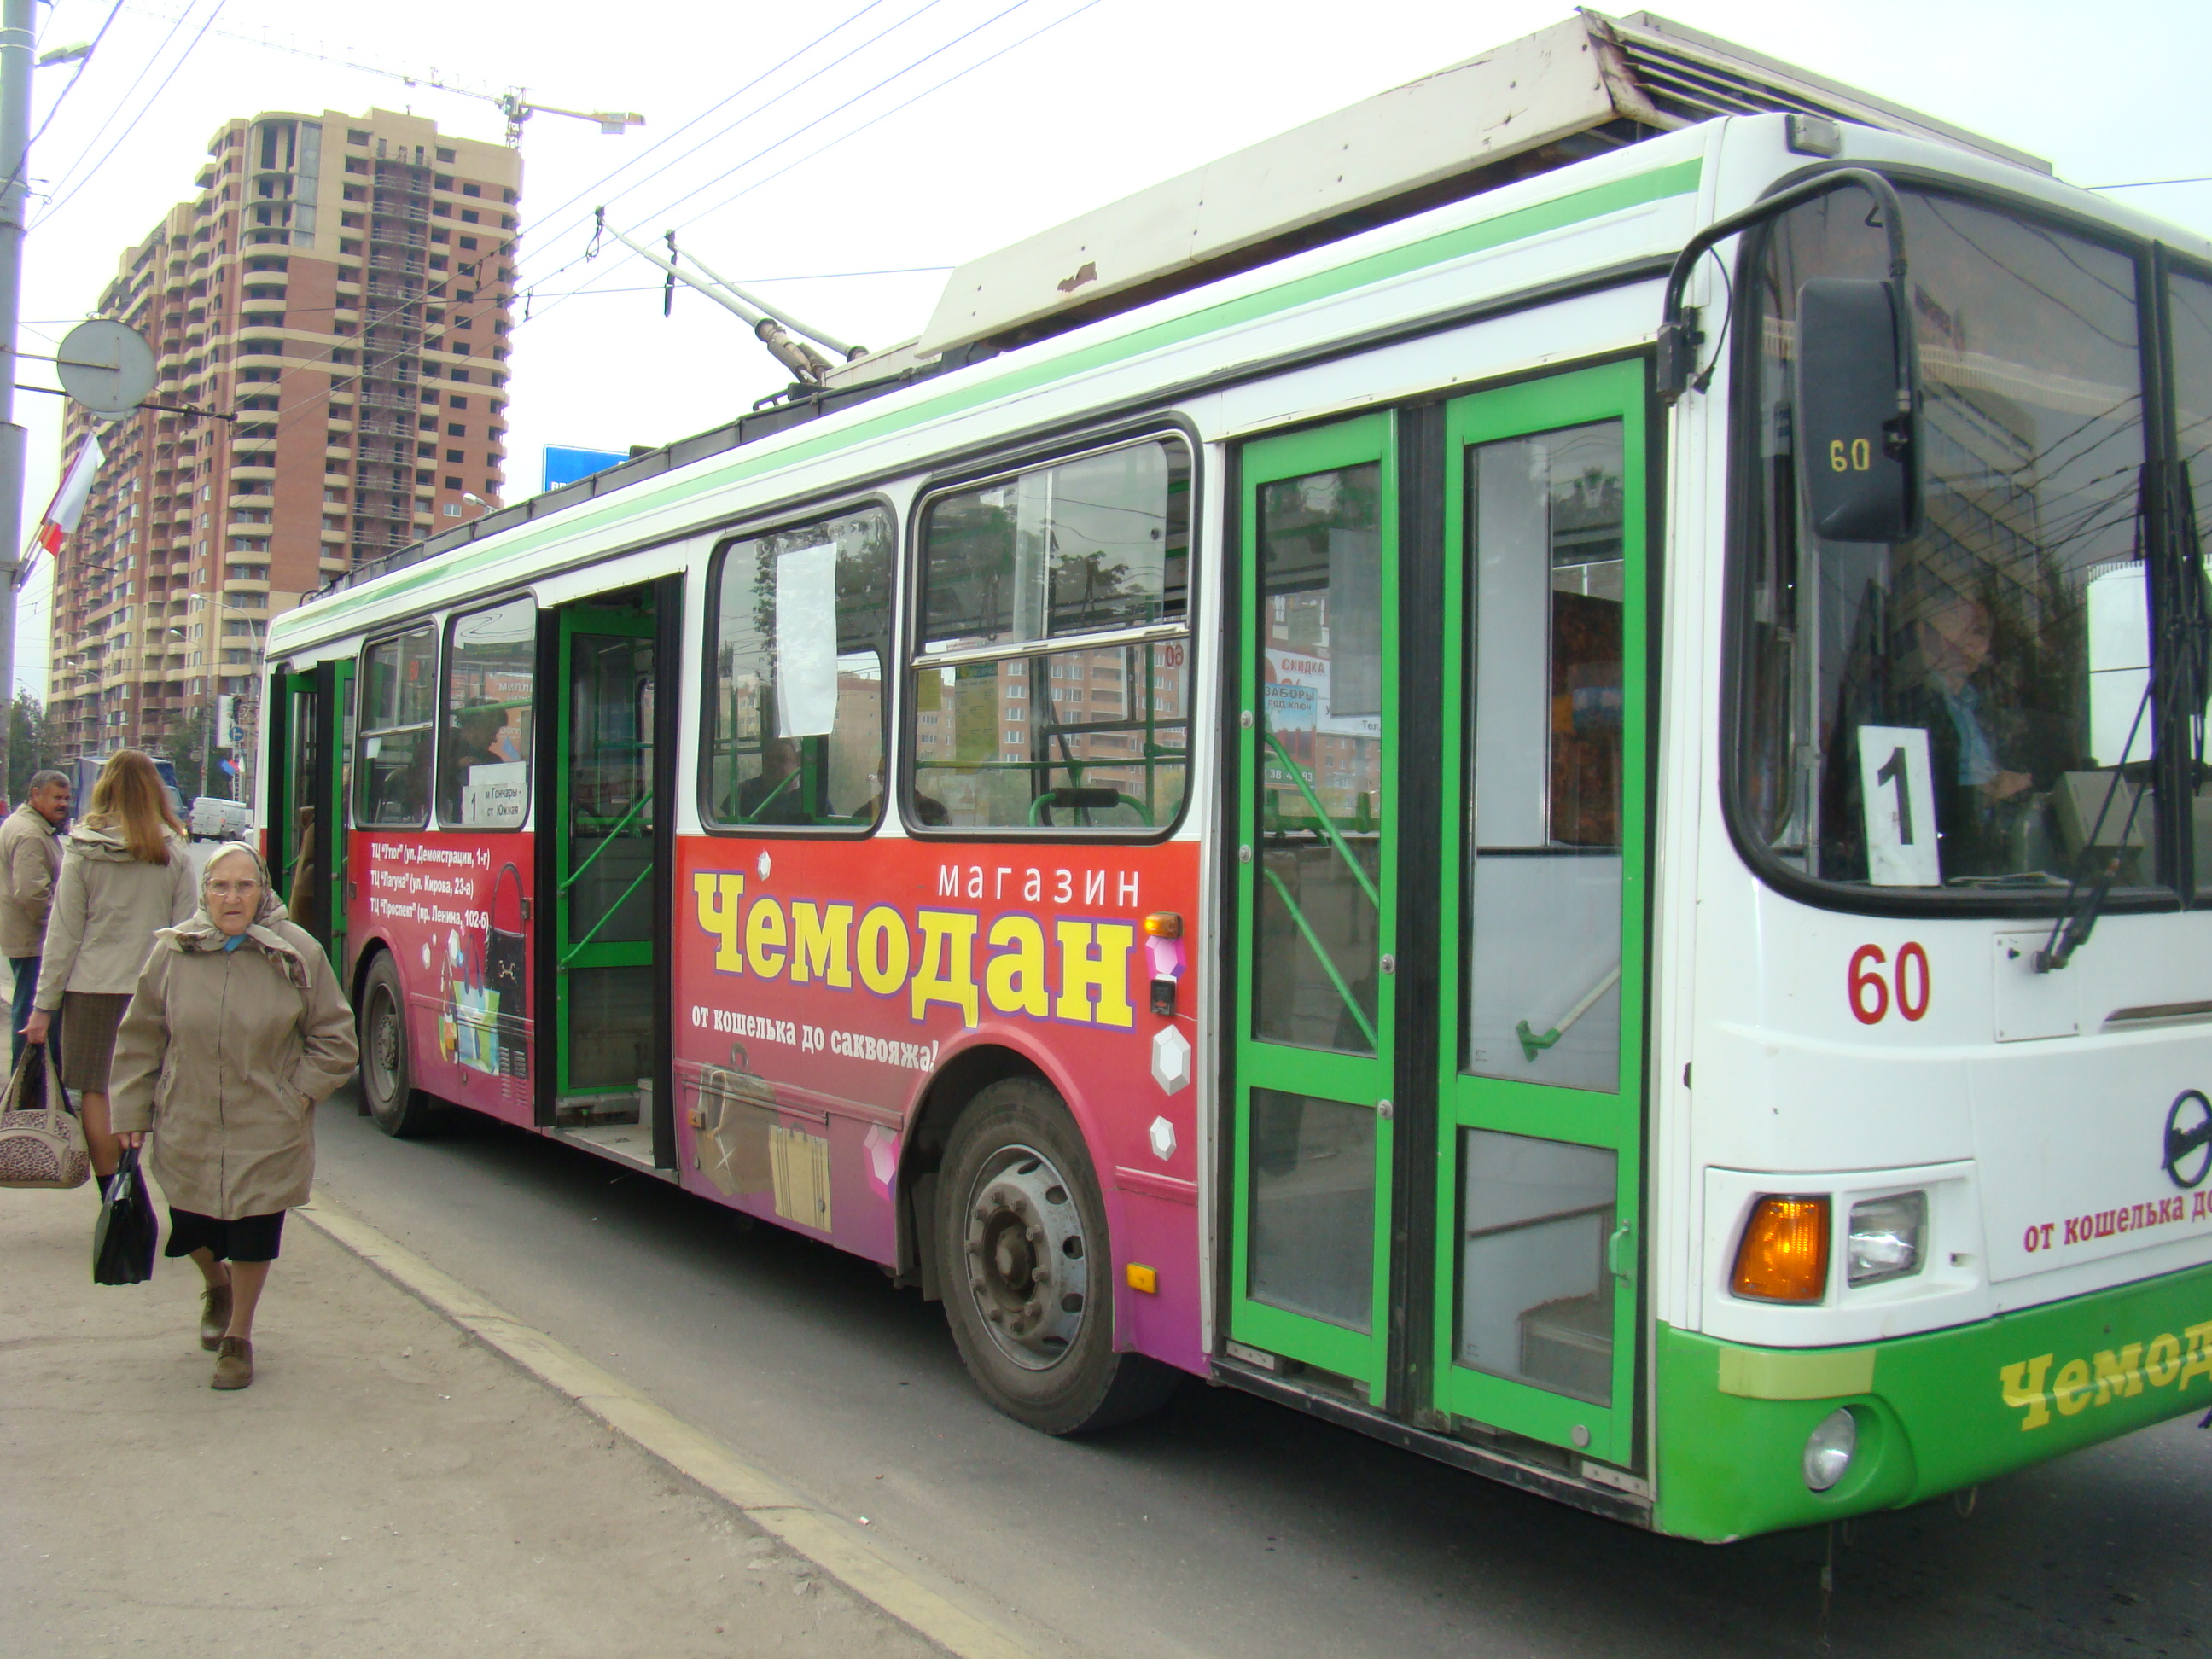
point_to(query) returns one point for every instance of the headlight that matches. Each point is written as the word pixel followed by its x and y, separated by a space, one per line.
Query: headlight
pixel 1828 1448
pixel 1886 1236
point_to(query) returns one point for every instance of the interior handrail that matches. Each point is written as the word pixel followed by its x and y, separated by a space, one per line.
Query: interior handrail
pixel 621 824
pixel 1532 1044
pixel 606 916
pixel 1327 823
pixel 1327 966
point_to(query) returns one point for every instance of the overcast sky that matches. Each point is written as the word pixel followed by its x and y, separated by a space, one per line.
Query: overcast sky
pixel 917 134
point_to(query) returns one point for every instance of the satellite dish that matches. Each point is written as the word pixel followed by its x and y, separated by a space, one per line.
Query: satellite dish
pixel 105 365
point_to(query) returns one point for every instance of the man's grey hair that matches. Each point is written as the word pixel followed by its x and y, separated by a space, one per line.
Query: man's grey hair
pixel 40 780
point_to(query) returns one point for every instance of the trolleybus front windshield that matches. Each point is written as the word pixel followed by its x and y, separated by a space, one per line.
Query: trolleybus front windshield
pixel 1951 711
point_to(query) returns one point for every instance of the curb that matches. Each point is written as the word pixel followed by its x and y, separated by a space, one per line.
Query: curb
pixel 829 1541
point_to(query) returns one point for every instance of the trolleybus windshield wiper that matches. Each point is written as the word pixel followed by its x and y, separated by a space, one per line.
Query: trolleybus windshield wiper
pixel 2180 672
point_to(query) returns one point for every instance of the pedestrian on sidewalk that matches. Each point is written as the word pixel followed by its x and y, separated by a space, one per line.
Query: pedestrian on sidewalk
pixel 30 862
pixel 238 1028
pixel 126 872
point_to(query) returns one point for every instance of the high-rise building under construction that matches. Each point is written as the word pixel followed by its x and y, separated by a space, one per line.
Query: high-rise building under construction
pixel 343 287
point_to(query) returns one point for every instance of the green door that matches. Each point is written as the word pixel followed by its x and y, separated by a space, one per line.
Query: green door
pixel 306 832
pixel 1516 1286
pixel 603 863
pixel 1543 842
pixel 1316 850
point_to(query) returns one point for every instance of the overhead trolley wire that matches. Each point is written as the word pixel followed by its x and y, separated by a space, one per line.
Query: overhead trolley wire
pixel 763 108
pixel 615 173
pixel 591 286
pixel 82 64
pixel 155 97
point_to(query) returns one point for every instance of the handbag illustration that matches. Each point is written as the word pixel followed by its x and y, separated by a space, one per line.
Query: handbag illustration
pixel 41 1141
pixel 736 1110
pixel 507 970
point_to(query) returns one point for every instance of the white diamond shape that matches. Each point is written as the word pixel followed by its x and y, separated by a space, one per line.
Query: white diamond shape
pixel 1170 1058
pixel 764 866
pixel 1163 1140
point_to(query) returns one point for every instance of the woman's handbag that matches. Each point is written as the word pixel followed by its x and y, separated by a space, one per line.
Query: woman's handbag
pixel 122 1241
pixel 41 1141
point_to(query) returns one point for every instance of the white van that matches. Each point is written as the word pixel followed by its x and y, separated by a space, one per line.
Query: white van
pixel 216 817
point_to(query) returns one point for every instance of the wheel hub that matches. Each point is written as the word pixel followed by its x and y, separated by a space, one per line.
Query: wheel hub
pixel 1028 1266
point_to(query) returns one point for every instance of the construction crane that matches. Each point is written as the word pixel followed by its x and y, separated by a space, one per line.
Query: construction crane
pixel 515 103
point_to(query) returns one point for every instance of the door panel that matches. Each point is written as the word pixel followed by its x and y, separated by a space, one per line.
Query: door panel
pixel 1316 884
pixel 1540 1137
pixel 1518 1277
pixel 604 861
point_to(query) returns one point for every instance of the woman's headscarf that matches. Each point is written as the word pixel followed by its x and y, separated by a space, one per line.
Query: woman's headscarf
pixel 201 933
pixel 271 906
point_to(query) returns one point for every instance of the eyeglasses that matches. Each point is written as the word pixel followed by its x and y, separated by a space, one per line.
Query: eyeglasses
pixel 232 888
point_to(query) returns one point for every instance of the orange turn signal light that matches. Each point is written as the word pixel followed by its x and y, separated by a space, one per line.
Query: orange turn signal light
pixel 1784 1256
pixel 1164 923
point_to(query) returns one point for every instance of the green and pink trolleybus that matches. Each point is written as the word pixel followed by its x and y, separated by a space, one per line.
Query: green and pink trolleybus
pixel 1526 769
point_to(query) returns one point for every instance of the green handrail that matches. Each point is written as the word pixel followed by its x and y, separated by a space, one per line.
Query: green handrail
pixel 1044 803
pixel 621 824
pixel 607 915
pixel 1327 966
pixel 1327 823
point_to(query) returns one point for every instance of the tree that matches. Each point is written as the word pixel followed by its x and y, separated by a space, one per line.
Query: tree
pixel 31 744
pixel 187 746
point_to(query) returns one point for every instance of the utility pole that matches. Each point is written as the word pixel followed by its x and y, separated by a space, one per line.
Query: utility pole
pixel 18 43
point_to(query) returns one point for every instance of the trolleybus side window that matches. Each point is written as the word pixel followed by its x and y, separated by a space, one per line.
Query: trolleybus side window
pixel 801 625
pixel 399 700
pixel 1013 729
pixel 483 752
pixel 1950 710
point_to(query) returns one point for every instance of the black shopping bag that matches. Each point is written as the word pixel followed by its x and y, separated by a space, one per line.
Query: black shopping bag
pixel 122 1241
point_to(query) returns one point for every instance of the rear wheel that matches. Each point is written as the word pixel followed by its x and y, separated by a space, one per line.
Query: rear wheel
pixel 387 1077
pixel 1026 1265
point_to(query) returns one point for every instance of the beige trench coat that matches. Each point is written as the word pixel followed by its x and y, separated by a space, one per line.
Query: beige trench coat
pixel 107 907
pixel 30 859
pixel 223 1055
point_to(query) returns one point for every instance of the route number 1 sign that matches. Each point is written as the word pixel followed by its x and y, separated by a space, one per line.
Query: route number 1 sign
pixel 1898 793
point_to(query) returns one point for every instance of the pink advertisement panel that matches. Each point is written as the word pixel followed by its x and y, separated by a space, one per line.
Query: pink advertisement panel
pixel 821 984
pixel 455 910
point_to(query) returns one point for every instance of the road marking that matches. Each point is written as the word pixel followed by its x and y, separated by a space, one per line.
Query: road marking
pixel 828 1540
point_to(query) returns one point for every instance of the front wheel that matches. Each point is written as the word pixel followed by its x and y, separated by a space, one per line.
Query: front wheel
pixel 1027 1268
pixel 387 1078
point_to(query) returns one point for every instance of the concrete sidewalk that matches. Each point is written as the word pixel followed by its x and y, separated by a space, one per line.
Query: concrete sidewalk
pixel 387 1486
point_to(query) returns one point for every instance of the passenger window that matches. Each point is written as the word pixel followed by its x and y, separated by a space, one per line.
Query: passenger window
pixel 483 755
pixel 801 623
pixel 398 698
pixel 1052 689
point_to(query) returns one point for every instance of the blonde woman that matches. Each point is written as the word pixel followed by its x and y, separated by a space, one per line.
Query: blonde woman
pixel 126 874
pixel 238 1028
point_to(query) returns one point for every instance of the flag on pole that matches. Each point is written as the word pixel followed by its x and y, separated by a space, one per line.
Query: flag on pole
pixel 67 507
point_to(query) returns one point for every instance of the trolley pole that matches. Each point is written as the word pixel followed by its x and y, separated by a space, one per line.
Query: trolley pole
pixel 18 45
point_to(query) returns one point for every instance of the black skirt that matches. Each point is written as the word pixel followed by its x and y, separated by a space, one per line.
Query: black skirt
pixel 248 1238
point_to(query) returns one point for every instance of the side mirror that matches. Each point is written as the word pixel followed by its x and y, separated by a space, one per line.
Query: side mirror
pixel 1853 425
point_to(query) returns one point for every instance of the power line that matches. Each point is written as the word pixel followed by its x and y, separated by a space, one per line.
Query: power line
pixel 69 172
pixel 616 172
pixel 83 63
pixel 2152 184
pixel 724 131
pixel 183 57
pixel 872 121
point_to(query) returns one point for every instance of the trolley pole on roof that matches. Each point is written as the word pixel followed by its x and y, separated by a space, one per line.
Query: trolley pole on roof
pixel 18 43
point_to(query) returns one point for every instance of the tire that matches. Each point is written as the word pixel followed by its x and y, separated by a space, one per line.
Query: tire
pixel 1040 1344
pixel 387 1076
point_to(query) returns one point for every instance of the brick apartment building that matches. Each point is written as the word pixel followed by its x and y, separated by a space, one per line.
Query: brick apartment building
pixel 344 287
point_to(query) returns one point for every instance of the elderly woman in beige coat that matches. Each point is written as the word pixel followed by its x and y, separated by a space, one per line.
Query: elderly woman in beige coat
pixel 237 1030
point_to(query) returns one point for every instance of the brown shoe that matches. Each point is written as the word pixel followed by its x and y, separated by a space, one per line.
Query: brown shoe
pixel 214 1316
pixel 235 1367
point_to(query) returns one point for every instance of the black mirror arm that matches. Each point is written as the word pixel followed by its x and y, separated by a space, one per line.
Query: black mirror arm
pixel 1677 331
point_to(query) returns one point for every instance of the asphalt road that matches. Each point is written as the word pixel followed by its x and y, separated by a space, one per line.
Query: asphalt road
pixel 1226 1525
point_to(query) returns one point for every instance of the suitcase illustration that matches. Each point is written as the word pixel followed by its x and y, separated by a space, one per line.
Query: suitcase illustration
pixel 732 1118
pixel 507 970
